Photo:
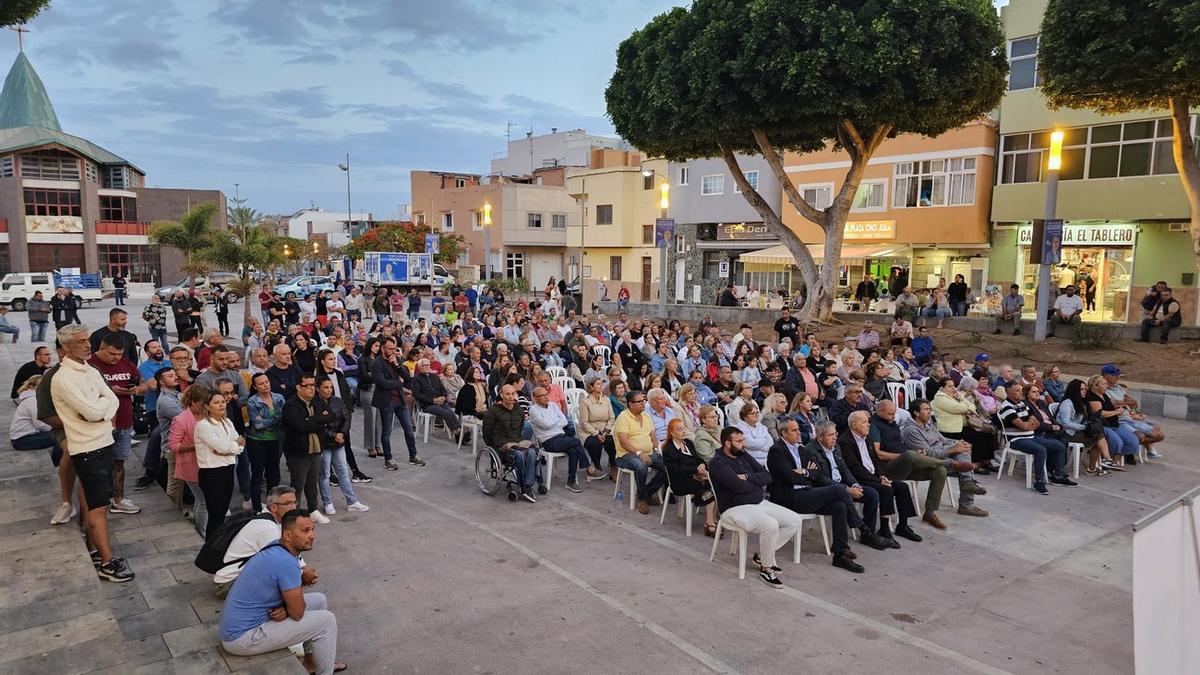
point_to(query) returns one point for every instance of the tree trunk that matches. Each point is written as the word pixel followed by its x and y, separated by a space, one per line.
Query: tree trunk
pixel 1188 165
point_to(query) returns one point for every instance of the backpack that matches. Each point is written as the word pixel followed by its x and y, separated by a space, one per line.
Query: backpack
pixel 211 557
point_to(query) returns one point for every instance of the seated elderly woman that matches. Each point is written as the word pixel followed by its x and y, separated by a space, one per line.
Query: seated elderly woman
pixel 758 439
pixel 687 473
pixel 743 394
pixel 775 408
pixel 687 409
pixel 708 434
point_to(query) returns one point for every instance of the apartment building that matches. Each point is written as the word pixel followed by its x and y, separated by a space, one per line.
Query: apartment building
pixel 571 148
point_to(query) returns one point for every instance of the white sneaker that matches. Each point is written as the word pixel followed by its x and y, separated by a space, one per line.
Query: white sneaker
pixel 329 510
pixel 1154 454
pixel 124 506
pixel 358 506
pixel 319 518
pixel 66 511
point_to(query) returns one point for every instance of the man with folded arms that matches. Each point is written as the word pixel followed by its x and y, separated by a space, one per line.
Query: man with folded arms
pixel 921 434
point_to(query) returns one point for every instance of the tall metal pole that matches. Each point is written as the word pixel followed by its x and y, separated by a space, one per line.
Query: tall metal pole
pixel 662 272
pixel 487 252
pixel 1043 288
pixel 349 212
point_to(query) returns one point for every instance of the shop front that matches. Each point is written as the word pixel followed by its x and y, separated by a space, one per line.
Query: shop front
pixel 1097 258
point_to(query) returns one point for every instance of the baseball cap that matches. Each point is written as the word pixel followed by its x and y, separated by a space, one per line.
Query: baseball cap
pixel 1110 369
pixel 982 357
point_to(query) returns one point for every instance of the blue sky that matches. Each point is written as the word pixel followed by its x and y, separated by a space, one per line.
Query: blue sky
pixel 271 94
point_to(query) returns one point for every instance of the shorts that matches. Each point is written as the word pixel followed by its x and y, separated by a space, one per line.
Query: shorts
pixel 95 473
pixel 56 454
pixel 122 444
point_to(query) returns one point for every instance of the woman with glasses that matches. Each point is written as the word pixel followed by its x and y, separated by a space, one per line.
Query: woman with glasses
pixel 758 439
pixel 1053 384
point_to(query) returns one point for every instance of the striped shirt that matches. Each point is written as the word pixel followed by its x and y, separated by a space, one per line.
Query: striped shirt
pixel 1010 412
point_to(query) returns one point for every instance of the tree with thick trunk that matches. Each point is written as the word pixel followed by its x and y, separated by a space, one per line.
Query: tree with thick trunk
pixel 725 77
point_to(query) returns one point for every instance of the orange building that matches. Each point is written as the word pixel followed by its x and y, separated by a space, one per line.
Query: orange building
pixel 922 209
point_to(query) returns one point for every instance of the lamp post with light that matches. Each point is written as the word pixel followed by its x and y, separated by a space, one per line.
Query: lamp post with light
pixel 349 214
pixel 487 242
pixel 1053 166
pixel 664 203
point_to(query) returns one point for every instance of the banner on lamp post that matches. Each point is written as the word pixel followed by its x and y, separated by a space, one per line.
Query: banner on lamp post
pixel 664 232
pixel 432 244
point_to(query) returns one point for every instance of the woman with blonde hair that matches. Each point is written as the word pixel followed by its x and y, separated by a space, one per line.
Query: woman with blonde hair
pixel 596 418
pixel 774 411
pixel 708 435
pixel 687 409
pixel 26 431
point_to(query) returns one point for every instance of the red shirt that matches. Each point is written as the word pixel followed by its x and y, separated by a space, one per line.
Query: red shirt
pixel 264 300
pixel 120 374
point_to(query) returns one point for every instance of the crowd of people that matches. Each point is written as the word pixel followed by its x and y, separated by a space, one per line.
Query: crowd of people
pixel 758 430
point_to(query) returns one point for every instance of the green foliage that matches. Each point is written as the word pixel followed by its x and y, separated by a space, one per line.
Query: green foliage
pixel 13 12
pixel 1093 336
pixel 1116 56
pixel 695 79
pixel 404 237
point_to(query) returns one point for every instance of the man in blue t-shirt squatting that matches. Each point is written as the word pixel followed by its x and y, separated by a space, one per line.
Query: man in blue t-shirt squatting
pixel 267 610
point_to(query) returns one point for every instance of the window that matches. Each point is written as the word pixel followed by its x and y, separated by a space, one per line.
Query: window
pixel 533 220
pixel 751 178
pixel 935 182
pixel 40 202
pixel 90 171
pixel 558 221
pixel 476 220
pixel 448 221
pixel 419 218
pixel 118 209
pixel 460 182
pixel 604 214
pixel 514 265
pixel 1022 64
pixel 464 258
pixel 871 196
pixel 712 185
pixel 120 177
pixel 50 165
pixel 712 264
pixel 648 182
pixel 683 175
pixel 820 197
pixel 6 166
pixel 614 267
pixel 139 264
pixel 680 243
pixel 648 235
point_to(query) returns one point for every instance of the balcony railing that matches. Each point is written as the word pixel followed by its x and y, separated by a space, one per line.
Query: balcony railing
pixel 111 227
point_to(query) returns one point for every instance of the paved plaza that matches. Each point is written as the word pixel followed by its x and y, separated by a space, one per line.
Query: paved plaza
pixel 439 578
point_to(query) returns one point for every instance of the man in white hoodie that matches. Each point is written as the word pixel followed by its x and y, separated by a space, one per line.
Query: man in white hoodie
pixel 86 405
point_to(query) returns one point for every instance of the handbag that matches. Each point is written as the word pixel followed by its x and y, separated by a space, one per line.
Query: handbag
pixel 1093 428
pixel 978 423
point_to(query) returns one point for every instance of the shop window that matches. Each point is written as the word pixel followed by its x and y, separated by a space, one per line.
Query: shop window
pixel 139 264
pixel 1022 64
pixel 614 267
pixel 604 214
pixel 712 264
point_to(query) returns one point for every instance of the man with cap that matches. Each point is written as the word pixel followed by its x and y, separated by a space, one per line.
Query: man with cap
pixel 981 371
pixel 1147 433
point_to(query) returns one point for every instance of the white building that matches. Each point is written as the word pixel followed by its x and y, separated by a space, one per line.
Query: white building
pixel 328 225
pixel 557 148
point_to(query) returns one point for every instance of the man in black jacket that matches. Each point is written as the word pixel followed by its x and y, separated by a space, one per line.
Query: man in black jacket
pixel 502 427
pixel 738 481
pixel 392 385
pixel 430 393
pixel 839 412
pixel 305 417
pixel 284 375
pixel 832 470
pixel 336 441
pixel 792 485
pixel 859 454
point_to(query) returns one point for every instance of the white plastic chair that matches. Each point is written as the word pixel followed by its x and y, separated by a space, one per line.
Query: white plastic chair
pixel 621 473
pixel 555 372
pixel 919 503
pixel 898 392
pixel 685 508
pixel 740 535
pixel 476 427
pixel 574 396
pixel 605 351
pixel 1011 455
pixel 720 416
pixel 566 383
pixel 915 389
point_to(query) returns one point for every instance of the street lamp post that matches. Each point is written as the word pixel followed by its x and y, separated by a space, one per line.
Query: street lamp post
pixel 487 242
pixel 1053 165
pixel 349 213
pixel 664 203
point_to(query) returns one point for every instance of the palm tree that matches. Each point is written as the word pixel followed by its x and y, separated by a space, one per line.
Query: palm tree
pixel 245 246
pixel 191 235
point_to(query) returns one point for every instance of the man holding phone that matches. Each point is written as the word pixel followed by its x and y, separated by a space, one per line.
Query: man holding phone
pixel 123 378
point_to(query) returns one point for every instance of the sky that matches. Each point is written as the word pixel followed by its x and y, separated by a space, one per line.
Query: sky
pixel 272 94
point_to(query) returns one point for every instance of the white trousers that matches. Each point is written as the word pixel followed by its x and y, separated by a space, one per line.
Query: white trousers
pixel 775 525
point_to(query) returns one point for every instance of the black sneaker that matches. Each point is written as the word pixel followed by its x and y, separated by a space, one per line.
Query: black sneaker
pixel 116 571
pixel 840 560
pixel 574 487
pixel 1041 488
pixel 1063 481
pixel 95 555
pixel 333 480
pixel 908 533
pixel 416 461
pixel 391 465
pixel 361 478
pixel 758 561
pixel 768 577
pixel 143 483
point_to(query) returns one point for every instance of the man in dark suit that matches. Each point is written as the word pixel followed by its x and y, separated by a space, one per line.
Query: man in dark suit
pixel 391 380
pixel 859 454
pixel 831 469
pixel 793 486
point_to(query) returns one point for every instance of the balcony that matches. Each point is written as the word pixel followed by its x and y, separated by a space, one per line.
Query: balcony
pixel 112 227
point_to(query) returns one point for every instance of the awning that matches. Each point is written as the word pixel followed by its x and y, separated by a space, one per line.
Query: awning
pixel 779 255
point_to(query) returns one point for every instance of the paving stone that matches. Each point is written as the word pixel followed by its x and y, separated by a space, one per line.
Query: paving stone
pixel 187 573
pixel 177 594
pixel 208 607
pixel 192 638
pixel 25 591
pixel 157 621
pixel 31 641
pixel 285 664
pixel 144 580
pixel 189 540
pixel 204 662
pixel 53 609
pixel 104 653
pixel 241 664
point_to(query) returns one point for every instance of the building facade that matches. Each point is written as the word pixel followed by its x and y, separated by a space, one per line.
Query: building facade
pixel 1126 217
pixel 714 225
pixel 332 227
pixel 65 202
pixel 558 148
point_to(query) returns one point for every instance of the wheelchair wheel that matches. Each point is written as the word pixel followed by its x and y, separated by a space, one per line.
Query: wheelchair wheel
pixel 489 472
pixel 512 495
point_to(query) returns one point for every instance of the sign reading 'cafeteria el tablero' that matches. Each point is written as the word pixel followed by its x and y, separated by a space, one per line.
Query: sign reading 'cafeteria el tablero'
pixel 1087 234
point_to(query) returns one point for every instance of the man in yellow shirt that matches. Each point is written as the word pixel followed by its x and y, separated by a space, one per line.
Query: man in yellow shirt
pixel 637 449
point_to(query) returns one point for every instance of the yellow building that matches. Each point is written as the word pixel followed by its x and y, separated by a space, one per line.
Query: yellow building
pixel 614 233
pixel 1125 211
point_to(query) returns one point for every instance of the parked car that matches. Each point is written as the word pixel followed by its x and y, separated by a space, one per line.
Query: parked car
pixel 305 284
pixel 18 287
pixel 205 284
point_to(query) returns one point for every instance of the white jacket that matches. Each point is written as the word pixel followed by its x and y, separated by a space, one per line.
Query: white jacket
pixel 25 421
pixel 212 438
pixel 547 422
pixel 85 405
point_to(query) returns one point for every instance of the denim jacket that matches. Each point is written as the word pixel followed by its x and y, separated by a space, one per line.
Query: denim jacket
pixel 265 422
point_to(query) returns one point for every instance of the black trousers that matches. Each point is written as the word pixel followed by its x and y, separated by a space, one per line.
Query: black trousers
pixel 223 324
pixel 830 500
pixel 594 446
pixel 894 499
pixel 217 486
pixel 305 471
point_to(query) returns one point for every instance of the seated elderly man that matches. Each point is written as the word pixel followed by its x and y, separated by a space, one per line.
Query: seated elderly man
pixel 502 425
pixel 921 434
pixel 637 449
pixel 839 412
pixel 1147 432
pixel 550 427
pixel 830 469
pixel 859 454
pixel 430 393
pixel 661 412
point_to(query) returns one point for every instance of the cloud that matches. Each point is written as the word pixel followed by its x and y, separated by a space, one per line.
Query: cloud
pixel 277 22
pixel 314 59
pixel 450 90
pixel 400 68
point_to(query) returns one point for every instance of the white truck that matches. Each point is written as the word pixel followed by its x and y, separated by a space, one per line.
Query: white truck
pixel 390 268
pixel 18 287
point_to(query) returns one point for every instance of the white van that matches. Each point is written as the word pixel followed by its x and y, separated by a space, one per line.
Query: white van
pixel 18 287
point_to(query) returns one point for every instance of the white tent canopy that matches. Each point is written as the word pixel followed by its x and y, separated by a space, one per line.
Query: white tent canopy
pixel 779 255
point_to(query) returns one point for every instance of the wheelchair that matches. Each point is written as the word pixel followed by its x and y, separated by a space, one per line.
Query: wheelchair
pixel 494 470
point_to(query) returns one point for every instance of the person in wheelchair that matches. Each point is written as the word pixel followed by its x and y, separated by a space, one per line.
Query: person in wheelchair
pixel 502 431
